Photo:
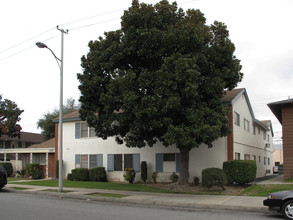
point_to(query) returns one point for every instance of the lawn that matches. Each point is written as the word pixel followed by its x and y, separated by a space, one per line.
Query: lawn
pixel 263 190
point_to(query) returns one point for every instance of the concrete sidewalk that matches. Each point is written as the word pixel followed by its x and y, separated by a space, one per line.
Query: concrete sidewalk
pixel 243 203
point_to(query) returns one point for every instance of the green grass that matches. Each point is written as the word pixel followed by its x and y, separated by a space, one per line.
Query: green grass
pixel 11 179
pixel 55 190
pixel 96 185
pixel 19 188
pixel 263 190
pixel 108 195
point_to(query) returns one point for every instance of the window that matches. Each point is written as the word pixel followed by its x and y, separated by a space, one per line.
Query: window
pixel 259 159
pixel 84 161
pixel 236 118
pixel 264 135
pixel 246 125
pixel 254 130
pixel 268 137
pixel 264 160
pixel 117 162
pixel 246 157
pixel 269 161
pixel 254 157
pixel 169 157
pixel 258 130
pixel 128 161
pixel 93 161
pixel 83 131
pixel 19 144
pixel 237 156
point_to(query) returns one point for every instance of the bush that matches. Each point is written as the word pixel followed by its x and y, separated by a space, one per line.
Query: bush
pixel 8 168
pixel 196 181
pixel 144 171
pixel 69 177
pixel 57 169
pixel 21 172
pixel 213 177
pixel 240 171
pixel 80 174
pixel 98 174
pixel 154 177
pixel 173 177
pixel 35 171
pixel 129 175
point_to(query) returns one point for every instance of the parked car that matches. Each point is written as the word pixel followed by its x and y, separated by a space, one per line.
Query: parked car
pixel 275 170
pixel 282 202
pixel 3 177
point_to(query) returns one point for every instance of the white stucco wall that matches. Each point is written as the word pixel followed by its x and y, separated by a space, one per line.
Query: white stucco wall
pixel 245 142
pixel 200 158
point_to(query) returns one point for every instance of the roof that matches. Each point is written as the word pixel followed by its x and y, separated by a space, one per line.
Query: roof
pixel 232 95
pixel 73 116
pixel 25 136
pixel 47 144
pixel 276 108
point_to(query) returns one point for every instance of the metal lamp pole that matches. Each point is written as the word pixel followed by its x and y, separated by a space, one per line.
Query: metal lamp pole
pixel 60 133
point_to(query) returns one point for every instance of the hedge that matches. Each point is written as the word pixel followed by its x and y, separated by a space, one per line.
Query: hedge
pixel 240 171
pixel 35 171
pixel 80 174
pixel 214 177
pixel 98 174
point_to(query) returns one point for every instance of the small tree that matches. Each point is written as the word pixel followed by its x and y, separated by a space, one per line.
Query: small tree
pixel 129 175
pixel 35 171
pixel 144 171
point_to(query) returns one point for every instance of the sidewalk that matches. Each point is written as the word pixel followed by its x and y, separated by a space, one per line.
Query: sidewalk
pixel 242 203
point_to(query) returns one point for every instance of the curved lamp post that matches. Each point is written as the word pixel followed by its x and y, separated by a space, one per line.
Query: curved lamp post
pixel 60 133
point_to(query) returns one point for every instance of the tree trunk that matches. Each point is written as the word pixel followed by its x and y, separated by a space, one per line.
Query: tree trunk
pixel 184 167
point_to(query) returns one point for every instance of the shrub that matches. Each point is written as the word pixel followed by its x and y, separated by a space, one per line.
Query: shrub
pixel 196 181
pixel 98 174
pixel 69 177
pixel 8 168
pixel 129 175
pixel 240 171
pixel 213 177
pixel 154 177
pixel 21 172
pixel 57 169
pixel 35 171
pixel 80 174
pixel 173 177
pixel 144 171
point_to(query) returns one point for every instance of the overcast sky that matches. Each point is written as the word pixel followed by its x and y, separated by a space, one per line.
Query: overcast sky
pixel 262 31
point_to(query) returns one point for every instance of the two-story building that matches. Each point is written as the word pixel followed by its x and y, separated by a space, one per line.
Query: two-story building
pixel 250 140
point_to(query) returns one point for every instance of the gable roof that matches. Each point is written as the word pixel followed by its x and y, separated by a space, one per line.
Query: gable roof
pixel 47 144
pixel 276 108
pixel 25 136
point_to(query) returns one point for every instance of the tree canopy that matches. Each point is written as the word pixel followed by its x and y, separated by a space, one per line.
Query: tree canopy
pixel 46 122
pixel 160 78
pixel 9 116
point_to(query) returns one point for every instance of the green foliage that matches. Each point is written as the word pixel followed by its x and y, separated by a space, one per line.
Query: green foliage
pixel 129 175
pixel 35 171
pixel 213 177
pixel 98 174
pixel 9 116
pixel 46 124
pixel 240 171
pixel 196 181
pixel 144 171
pixel 165 71
pixel 80 174
pixel 173 177
pixel 21 172
pixel 154 177
pixel 69 177
pixel 8 167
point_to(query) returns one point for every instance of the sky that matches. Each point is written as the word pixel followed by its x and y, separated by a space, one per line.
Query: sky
pixel 260 29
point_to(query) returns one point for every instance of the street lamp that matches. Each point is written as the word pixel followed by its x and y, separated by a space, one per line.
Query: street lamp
pixel 60 136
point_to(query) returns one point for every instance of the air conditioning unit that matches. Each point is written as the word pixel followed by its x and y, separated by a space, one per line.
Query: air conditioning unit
pixel 267 145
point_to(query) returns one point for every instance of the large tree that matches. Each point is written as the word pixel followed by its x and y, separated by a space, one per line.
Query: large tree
pixel 9 118
pixel 46 122
pixel 160 78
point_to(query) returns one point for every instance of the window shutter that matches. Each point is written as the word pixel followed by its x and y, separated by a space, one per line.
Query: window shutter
pixel 99 160
pixel 77 160
pixel 110 166
pixel 159 162
pixel 77 130
pixel 136 162
pixel 177 158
